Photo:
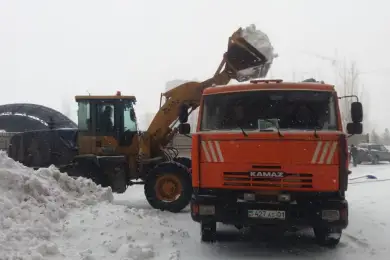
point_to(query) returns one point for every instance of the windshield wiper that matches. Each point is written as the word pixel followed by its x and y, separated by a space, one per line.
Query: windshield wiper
pixel 315 132
pixel 276 126
pixel 242 130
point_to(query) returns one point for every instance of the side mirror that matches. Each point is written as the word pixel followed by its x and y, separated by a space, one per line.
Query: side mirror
pixel 356 112
pixel 183 114
pixel 184 129
pixel 354 128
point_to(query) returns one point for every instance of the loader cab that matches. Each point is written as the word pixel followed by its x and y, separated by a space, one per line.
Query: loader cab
pixel 105 123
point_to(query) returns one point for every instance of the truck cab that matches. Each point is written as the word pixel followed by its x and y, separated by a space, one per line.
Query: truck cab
pixel 272 153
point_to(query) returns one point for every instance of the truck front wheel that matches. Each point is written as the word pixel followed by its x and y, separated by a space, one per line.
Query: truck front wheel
pixel 329 237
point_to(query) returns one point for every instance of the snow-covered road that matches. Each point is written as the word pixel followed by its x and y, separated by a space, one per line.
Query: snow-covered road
pixel 132 229
pixel 128 228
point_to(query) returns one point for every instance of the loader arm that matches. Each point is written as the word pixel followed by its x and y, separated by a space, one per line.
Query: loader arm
pixel 240 55
pixel 160 131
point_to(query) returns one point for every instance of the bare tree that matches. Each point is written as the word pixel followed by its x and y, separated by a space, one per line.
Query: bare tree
pixel 348 83
pixel 364 97
pixel 349 86
pixel 375 138
pixel 386 137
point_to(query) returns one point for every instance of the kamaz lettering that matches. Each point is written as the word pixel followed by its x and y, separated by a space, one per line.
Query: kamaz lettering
pixel 267 174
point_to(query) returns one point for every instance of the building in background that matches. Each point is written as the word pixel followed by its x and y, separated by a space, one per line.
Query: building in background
pixel 21 117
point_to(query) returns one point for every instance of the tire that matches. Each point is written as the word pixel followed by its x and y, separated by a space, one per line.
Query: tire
pixel 185 161
pixel 170 174
pixel 208 232
pixel 118 180
pixel 329 237
pixel 239 227
pixel 375 160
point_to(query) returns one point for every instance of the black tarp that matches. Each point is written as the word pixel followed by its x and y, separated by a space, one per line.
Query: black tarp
pixel 44 147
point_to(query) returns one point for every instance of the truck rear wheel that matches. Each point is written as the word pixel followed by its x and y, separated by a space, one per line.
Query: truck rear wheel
pixel 208 232
pixel 169 187
pixel 329 237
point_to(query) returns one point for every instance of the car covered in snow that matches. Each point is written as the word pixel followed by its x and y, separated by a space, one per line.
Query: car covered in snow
pixel 372 152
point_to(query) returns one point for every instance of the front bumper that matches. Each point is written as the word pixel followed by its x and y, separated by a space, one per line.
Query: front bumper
pixel 296 215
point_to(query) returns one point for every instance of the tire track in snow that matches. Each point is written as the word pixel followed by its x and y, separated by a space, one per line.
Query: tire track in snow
pixel 356 241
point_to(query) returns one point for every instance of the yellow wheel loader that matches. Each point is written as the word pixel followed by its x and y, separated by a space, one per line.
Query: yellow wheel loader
pixel 112 152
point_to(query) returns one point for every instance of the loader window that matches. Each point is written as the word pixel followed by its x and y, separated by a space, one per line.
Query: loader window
pixel 293 109
pixel 105 118
pixel 84 116
pixel 129 119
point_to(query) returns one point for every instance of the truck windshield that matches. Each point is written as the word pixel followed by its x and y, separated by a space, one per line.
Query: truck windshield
pixel 286 109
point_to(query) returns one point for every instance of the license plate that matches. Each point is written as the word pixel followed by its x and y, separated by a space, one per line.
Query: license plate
pixel 266 214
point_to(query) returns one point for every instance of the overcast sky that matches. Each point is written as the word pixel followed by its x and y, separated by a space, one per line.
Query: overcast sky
pixel 52 50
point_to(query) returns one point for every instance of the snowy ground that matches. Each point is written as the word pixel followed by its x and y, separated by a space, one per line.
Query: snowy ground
pixel 78 221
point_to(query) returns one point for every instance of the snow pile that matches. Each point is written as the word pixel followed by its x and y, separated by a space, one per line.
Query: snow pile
pixel 261 42
pixel 33 205
pixel 108 231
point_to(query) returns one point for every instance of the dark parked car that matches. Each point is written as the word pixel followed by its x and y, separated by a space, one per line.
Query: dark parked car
pixel 371 152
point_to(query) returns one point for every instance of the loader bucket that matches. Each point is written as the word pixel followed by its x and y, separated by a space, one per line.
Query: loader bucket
pixel 249 55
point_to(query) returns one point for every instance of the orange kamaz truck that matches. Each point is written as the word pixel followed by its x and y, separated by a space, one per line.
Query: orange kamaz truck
pixel 272 153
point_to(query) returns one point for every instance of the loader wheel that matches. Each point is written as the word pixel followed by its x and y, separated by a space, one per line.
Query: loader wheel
pixel 168 187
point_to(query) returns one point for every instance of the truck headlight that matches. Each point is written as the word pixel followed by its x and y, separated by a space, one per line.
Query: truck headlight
pixel 284 197
pixel 249 196
pixel 330 215
pixel 206 210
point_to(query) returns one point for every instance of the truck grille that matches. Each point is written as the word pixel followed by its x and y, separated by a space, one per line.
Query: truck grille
pixel 290 180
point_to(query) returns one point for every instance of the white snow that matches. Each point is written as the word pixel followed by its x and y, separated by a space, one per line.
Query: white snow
pixel 120 232
pixel 47 215
pixel 33 205
pixel 260 41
